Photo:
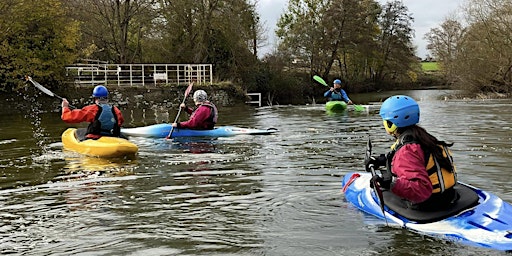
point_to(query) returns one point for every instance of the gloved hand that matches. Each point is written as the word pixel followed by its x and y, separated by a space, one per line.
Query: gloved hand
pixel 65 103
pixel 375 161
pixel 384 184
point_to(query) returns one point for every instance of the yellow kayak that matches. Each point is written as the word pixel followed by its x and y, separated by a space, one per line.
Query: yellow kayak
pixel 107 147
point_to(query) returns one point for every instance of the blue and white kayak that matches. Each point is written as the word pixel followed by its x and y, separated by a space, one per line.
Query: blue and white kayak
pixel 162 131
pixel 478 218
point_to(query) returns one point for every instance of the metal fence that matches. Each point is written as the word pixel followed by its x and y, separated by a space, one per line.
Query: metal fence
pixel 139 74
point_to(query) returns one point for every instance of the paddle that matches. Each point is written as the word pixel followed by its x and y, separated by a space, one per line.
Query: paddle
pixel 322 82
pixel 187 91
pixel 43 89
pixel 376 186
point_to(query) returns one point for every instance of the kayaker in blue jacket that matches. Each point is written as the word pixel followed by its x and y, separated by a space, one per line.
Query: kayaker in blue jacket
pixel 337 93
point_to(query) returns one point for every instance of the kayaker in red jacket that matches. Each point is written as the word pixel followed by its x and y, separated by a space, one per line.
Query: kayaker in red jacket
pixel 104 119
pixel 204 117
pixel 420 168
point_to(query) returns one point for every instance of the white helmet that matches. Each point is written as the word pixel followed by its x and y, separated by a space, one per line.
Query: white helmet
pixel 200 96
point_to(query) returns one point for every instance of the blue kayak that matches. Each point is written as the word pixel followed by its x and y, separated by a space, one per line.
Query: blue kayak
pixel 477 218
pixel 162 131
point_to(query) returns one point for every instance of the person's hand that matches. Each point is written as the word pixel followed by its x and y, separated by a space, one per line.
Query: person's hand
pixel 350 102
pixel 384 184
pixel 65 103
pixel 374 162
pixel 332 89
pixel 182 105
pixel 174 125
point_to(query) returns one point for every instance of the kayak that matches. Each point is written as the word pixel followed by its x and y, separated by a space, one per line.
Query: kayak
pixel 477 218
pixel 106 147
pixel 162 131
pixel 336 106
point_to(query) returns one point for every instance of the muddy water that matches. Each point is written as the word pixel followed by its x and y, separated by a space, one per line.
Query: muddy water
pixel 247 195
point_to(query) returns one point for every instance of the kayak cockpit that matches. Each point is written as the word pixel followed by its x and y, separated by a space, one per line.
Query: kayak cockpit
pixel 466 198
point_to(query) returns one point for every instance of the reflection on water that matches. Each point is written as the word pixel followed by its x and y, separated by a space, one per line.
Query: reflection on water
pixel 277 194
pixel 78 163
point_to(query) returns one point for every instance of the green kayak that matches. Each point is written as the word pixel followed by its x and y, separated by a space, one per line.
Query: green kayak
pixel 336 106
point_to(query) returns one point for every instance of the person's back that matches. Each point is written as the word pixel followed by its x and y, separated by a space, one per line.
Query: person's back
pixel 204 117
pixel 104 119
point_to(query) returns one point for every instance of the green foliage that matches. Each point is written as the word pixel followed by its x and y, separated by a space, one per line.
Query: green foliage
pixel 476 57
pixel 353 39
pixel 429 66
pixel 38 40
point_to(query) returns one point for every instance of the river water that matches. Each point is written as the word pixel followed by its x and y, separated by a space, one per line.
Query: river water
pixel 275 194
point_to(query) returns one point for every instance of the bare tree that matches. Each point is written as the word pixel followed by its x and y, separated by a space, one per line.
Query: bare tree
pixel 113 29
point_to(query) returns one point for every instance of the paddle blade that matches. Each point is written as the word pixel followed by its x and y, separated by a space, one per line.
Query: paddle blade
pixel 368 148
pixel 189 89
pixel 320 80
pixel 39 86
pixel 359 108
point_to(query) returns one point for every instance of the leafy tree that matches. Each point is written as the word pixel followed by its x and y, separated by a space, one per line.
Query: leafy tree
pixel 477 57
pixel 444 43
pixel 37 39
pixel 353 39
pixel 224 33
pixel 395 50
pixel 113 30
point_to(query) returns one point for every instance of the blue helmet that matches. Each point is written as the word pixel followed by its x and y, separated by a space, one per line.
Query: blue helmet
pixel 401 111
pixel 100 91
pixel 337 81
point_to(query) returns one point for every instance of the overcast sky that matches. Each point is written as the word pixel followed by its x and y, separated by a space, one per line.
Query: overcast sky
pixel 427 14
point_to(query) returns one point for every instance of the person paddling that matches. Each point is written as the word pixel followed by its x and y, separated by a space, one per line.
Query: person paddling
pixel 104 119
pixel 337 93
pixel 419 168
pixel 204 117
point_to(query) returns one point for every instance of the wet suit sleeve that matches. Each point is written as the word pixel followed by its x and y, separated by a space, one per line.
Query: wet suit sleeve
pixel 197 120
pixel 328 94
pixel 412 181
pixel 120 118
pixel 85 114
pixel 344 96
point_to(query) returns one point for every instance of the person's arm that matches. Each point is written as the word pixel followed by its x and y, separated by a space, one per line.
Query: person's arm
pixel 345 97
pixel 85 114
pixel 197 120
pixel 187 109
pixel 120 118
pixel 412 181
pixel 328 93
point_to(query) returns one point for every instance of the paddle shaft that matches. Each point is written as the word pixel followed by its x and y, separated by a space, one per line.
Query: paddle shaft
pixel 187 91
pixel 45 90
pixel 376 186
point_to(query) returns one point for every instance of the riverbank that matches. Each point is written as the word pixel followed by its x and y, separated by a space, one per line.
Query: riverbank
pixel 222 94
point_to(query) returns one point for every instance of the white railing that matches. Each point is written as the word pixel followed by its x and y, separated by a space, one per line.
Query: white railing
pixel 252 101
pixel 140 74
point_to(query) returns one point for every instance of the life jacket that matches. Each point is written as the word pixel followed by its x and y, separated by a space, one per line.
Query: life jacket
pixel 442 177
pixel 336 95
pixel 212 119
pixel 105 122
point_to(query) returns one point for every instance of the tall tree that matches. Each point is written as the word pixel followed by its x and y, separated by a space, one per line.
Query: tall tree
pixel 485 59
pixel 303 37
pixel 113 30
pixel 224 33
pixel 395 50
pixel 444 43
pixel 37 38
